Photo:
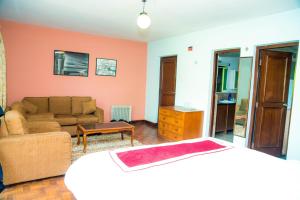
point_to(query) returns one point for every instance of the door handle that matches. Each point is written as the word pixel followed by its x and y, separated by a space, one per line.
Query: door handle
pixel 285 105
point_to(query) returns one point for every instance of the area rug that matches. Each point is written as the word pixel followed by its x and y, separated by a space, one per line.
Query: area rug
pixel 97 143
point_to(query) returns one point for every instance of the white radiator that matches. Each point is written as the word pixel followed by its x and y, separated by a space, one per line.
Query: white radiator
pixel 121 112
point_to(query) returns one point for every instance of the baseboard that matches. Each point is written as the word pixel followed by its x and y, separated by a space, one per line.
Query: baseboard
pixel 146 122
pixel 151 123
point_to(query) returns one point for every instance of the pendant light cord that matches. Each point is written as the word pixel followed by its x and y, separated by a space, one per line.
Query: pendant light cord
pixel 144 3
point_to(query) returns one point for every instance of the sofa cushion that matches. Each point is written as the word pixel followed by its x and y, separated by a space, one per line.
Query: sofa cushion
pixel 77 104
pixel 30 107
pixel 66 120
pixel 40 117
pixel 41 102
pixel 15 123
pixel 87 119
pixel 18 106
pixel 89 107
pixel 60 105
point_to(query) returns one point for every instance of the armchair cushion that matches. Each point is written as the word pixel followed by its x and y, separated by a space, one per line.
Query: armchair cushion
pixel 43 126
pixel 41 102
pixel 18 106
pixel 15 123
pixel 30 107
pixel 89 107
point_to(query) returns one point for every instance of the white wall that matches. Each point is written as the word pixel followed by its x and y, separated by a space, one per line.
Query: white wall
pixel 194 69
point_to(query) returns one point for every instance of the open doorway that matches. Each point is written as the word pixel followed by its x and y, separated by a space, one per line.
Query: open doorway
pixel 272 98
pixel 224 93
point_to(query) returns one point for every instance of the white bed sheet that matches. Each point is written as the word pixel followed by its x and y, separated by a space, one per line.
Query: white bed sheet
pixel 233 174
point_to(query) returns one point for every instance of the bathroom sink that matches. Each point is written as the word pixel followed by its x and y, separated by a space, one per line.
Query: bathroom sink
pixel 226 101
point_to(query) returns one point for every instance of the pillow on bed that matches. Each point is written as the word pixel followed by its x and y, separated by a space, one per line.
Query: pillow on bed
pixel 89 107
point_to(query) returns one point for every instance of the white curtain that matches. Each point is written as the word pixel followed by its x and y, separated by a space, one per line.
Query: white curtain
pixel 2 74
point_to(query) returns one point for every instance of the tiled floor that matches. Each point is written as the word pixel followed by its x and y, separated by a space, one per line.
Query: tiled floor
pixel 225 136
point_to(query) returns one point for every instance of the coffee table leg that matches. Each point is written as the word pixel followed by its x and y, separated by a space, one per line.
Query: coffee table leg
pixel 122 136
pixel 84 142
pixel 132 135
pixel 78 137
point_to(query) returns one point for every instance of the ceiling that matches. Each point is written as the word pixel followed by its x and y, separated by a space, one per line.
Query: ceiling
pixel 117 18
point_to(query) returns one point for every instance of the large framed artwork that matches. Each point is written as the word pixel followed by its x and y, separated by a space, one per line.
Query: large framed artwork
pixel 71 63
pixel 106 67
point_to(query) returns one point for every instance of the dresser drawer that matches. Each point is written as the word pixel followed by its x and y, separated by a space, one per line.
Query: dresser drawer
pixel 170 120
pixel 178 115
pixel 175 129
pixel 165 112
pixel 162 125
pixel 162 132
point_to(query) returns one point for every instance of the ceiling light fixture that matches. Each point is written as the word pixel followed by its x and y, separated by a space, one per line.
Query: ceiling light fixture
pixel 143 21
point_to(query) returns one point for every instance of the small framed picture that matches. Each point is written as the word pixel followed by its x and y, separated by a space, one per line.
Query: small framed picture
pixel 106 67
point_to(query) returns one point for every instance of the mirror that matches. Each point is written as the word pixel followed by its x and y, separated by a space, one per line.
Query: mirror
pixel 243 92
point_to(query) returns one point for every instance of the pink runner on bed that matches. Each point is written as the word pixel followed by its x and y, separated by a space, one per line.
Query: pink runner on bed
pixel 144 156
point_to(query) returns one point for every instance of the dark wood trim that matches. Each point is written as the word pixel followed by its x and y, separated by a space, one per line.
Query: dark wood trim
pixel 151 123
pixel 272 46
pixel 145 122
pixel 215 65
pixel 137 121
pixel 254 96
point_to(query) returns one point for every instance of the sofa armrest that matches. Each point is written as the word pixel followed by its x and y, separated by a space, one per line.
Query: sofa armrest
pixel 100 114
pixel 43 126
pixel 34 156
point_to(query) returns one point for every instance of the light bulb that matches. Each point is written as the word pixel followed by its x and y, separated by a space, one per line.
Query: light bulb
pixel 143 21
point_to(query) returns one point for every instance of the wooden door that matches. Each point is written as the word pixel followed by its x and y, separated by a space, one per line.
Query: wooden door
pixel 273 84
pixel 168 81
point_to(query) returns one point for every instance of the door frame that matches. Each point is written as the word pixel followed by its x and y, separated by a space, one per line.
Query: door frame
pixel 214 78
pixel 160 77
pixel 255 83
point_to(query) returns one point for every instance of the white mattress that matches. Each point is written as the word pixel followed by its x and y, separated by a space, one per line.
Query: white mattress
pixel 233 174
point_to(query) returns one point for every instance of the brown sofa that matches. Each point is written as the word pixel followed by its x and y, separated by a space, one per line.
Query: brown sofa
pixel 67 111
pixel 31 150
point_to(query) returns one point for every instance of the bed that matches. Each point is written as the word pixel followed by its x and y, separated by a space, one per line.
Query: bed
pixel 224 173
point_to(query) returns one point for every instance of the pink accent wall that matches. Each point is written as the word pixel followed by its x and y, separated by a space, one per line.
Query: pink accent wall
pixel 30 57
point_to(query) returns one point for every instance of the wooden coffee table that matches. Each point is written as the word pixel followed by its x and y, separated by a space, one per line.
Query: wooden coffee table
pixel 104 128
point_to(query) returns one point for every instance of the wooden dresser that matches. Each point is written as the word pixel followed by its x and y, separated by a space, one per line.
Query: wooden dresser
pixel 179 123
